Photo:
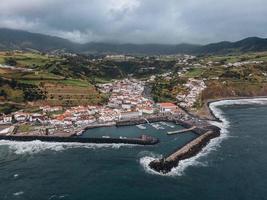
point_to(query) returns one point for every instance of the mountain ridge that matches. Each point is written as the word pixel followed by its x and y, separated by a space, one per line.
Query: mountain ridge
pixel 11 39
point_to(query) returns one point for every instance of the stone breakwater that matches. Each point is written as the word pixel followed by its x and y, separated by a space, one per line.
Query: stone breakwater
pixel 192 148
pixel 142 140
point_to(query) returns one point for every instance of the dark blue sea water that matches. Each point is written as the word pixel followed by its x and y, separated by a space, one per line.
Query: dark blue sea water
pixel 232 167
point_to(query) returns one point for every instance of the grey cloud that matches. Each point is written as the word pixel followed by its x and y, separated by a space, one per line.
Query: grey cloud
pixel 138 21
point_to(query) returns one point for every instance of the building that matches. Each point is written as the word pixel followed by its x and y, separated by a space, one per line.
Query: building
pixel 147 110
pixel 36 117
pixel 51 109
pixel 129 115
pixel 7 119
pixel 21 117
pixel 167 107
pixel 126 106
pixel 1 119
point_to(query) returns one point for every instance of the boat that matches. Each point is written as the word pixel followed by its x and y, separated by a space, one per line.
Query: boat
pixel 80 133
pixel 157 126
pixel 141 126
pixel 165 124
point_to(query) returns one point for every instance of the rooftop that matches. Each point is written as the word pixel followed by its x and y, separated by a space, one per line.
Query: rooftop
pixel 166 104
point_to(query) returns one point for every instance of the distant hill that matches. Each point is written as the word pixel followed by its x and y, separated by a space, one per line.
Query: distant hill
pixel 138 48
pixel 22 40
pixel 251 44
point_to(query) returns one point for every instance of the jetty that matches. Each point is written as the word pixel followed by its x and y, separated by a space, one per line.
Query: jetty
pixel 181 131
pixel 192 148
pixel 142 140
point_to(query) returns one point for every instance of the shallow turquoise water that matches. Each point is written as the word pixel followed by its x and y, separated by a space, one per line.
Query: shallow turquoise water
pixel 235 169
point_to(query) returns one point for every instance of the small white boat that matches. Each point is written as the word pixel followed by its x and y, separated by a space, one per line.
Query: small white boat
pixel 105 137
pixel 157 126
pixel 168 125
pixel 141 126
pixel 80 132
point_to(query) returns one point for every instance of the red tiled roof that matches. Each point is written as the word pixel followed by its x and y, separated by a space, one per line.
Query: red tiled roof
pixel 167 105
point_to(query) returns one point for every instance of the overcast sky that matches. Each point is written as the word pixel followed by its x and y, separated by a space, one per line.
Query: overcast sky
pixel 138 21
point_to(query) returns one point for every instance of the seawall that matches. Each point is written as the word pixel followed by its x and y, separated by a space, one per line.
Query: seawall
pixel 143 140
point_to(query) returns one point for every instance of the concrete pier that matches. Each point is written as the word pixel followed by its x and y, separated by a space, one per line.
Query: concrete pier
pixel 190 149
pixel 181 131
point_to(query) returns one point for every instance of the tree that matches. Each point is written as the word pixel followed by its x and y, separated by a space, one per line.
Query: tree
pixel 3 93
pixel 10 61
pixel 13 83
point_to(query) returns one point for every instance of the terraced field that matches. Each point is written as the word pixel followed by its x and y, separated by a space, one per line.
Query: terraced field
pixel 71 95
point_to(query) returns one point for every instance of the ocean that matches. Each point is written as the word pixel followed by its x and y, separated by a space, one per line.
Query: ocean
pixel 233 166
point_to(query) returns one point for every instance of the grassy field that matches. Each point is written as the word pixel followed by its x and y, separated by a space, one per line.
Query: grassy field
pixel 24 128
pixel 27 59
pixel 59 90
pixel 8 108
pixel 195 72
pixel 238 58
pixel 75 82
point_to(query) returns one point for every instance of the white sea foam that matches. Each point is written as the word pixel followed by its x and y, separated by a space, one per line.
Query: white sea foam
pixel 214 143
pixel 18 193
pixel 54 196
pixel 15 175
pixel 149 157
pixel 37 146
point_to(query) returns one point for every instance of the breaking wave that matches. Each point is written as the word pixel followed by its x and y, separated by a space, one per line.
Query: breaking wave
pixel 213 144
pixel 37 146
pixel 18 193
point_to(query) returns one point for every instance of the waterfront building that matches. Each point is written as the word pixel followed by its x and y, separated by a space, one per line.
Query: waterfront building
pixel 147 110
pixel 129 115
pixel 167 107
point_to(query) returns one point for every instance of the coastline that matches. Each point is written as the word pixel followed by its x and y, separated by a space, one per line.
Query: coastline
pixel 205 145
pixel 167 166
pixel 212 101
pixel 209 115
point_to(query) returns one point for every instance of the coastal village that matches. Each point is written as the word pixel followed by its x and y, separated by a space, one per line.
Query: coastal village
pixel 126 102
